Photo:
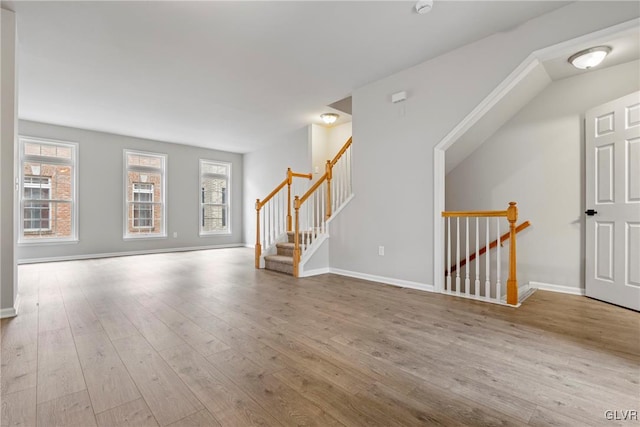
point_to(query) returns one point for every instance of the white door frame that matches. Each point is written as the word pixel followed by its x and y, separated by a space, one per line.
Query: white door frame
pixel 502 90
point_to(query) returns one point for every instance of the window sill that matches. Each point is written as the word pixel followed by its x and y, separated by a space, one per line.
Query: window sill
pixel 145 237
pixel 215 233
pixel 48 242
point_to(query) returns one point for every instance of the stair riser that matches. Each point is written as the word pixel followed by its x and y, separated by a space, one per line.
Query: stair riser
pixel 285 251
pixel 278 266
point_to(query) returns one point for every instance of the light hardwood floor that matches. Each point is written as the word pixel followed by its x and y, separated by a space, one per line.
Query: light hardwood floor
pixel 204 339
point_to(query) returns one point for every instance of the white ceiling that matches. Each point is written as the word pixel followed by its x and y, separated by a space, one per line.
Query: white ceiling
pixel 227 75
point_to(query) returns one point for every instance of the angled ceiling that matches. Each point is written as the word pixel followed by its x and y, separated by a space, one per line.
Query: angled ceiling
pixel 227 75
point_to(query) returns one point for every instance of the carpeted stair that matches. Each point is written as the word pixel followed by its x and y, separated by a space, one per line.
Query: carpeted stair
pixel 283 260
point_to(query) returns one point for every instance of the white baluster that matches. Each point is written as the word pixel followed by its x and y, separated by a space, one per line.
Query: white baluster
pixel 458 255
pixel 448 282
pixel 323 216
pixel 467 282
pixel 498 285
pixel 477 282
pixel 487 282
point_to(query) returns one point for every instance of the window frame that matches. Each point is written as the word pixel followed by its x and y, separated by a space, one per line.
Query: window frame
pixel 57 161
pixel 163 195
pixel 202 204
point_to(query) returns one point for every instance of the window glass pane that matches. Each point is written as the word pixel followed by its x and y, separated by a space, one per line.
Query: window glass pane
pixel 142 160
pixel 59 151
pixel 214 190
pixel 47 220
pixel 214 168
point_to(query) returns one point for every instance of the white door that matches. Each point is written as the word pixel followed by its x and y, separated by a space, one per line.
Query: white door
pixel 612 258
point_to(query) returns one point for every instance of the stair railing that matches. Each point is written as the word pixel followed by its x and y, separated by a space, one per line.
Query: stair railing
pixel 320 202
pixel 276 218
pixel 462 286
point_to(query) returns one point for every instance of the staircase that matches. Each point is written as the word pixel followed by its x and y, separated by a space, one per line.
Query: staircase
pixel 282 261
pixel 289 231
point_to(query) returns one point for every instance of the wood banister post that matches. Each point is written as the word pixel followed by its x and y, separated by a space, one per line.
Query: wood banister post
pixel 258 245
pixel 289 182
pixel 328 170
pixel 296 238
pixel 512 281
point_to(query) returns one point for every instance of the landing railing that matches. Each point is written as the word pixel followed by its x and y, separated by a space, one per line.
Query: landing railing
pixel 491 289
pixel 276 208
pixel 320 202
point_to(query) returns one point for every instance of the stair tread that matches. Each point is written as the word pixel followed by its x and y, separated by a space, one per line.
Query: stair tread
pixel 279 258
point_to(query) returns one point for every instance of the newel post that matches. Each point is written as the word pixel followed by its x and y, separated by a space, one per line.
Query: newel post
pixel 512 281
pixel 296 238
pixel 329 170
pixel 289 182
pixel 258 245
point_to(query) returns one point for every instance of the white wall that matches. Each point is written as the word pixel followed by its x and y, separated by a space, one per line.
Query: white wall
pixel 265 169
pixel 319 149
pixel 100 194
pixel 325 144
pixel 8 126
pixel 393 154
pixel 537 159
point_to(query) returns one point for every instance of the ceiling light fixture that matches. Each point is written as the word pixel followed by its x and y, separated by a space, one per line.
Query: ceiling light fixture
pixel 424 6
pixel 329 118
pixel 589 58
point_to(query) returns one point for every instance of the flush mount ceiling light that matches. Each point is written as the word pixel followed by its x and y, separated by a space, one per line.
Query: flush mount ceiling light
pixel 329 118
pixel 424 6
pixel 589 58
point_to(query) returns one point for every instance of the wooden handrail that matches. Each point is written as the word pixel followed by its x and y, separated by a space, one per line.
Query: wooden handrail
pixel 463 214
pixel 342 151
pixel 260 204
pixel 492 245
pixel 310 191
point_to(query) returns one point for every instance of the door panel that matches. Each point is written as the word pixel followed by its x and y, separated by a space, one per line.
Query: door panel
pixel 612 258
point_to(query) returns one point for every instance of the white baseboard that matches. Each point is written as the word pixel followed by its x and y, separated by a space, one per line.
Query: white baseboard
pixel 316 272
pixel 557 288
pixel 249 245
pixel 12 311
pixel 128 253
pixel 386 280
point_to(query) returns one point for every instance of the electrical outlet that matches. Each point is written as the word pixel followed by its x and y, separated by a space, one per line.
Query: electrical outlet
pixel 175 234
pixel 381 250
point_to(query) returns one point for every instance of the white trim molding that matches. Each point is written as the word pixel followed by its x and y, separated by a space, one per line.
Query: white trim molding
pixel 128 253
pixel 557 288
pixel 12 311
pixel 386 280
pixel 316 272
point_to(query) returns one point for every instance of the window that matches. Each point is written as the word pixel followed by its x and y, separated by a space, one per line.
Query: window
pixel 214 197
pixel 48 191
pixel 145 194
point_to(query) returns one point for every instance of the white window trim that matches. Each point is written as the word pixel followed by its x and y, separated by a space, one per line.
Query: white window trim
pixel 163 194
pixel 202 233
pixel 73 163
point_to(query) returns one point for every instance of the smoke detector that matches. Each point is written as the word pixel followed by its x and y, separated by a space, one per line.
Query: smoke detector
pixel 424 6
